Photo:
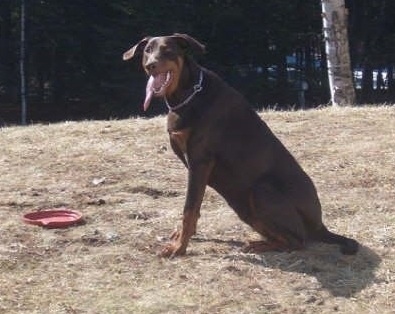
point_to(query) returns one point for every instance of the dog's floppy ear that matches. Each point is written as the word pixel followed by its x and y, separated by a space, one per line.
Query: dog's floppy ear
pixel 136 49
pixel 190 44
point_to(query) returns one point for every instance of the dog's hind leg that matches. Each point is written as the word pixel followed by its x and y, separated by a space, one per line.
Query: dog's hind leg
pixel 273 216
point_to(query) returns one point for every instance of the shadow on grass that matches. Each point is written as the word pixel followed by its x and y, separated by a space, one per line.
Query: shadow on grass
pixel 341 275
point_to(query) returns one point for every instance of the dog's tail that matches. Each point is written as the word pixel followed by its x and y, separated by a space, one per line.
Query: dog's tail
pixel 347 246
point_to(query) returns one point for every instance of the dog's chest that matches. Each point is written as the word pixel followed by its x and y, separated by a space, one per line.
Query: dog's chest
pixel 180 138
pixel 179 133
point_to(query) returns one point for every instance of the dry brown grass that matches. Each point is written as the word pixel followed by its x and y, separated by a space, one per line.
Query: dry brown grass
pixel 109 264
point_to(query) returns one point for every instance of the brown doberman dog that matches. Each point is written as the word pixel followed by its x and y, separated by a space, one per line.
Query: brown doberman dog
pixel 224 144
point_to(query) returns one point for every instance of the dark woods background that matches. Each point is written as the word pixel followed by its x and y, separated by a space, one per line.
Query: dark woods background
pixel 266 49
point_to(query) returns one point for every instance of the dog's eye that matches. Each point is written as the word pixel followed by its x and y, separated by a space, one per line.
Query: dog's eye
pixel 167 52
pixel 148 49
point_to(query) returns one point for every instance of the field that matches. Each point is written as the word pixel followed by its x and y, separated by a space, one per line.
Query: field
pixel 124 178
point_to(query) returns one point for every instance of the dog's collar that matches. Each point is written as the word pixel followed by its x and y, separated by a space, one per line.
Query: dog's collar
pixel 196 89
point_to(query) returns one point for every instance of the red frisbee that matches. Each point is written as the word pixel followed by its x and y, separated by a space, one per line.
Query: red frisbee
pixel 53 218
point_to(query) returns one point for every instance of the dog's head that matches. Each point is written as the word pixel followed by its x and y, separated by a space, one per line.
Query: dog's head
pixel 163 60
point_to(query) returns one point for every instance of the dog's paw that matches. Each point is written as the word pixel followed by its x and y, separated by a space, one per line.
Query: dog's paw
pixel 173 249
pixel 176 234
pixel 256 247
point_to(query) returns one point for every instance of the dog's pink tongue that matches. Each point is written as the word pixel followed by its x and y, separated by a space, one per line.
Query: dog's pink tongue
pixel 149 92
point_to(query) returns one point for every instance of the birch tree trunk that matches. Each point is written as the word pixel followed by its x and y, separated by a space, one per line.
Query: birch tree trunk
pixel 22 65
pixel 341 85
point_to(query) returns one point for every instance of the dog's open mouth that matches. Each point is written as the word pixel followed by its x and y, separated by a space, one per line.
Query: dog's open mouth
pixel 156 86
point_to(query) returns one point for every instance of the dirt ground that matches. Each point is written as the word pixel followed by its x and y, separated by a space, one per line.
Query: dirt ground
pixel 124 178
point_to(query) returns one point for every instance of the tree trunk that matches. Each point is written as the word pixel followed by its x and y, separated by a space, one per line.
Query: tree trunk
pixel 22 65
pixel 341 85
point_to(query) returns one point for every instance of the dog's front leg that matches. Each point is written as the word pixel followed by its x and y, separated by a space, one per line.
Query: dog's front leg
pixel 198 176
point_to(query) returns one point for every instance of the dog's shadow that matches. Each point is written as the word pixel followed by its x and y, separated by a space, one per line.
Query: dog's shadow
pixel 341 275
